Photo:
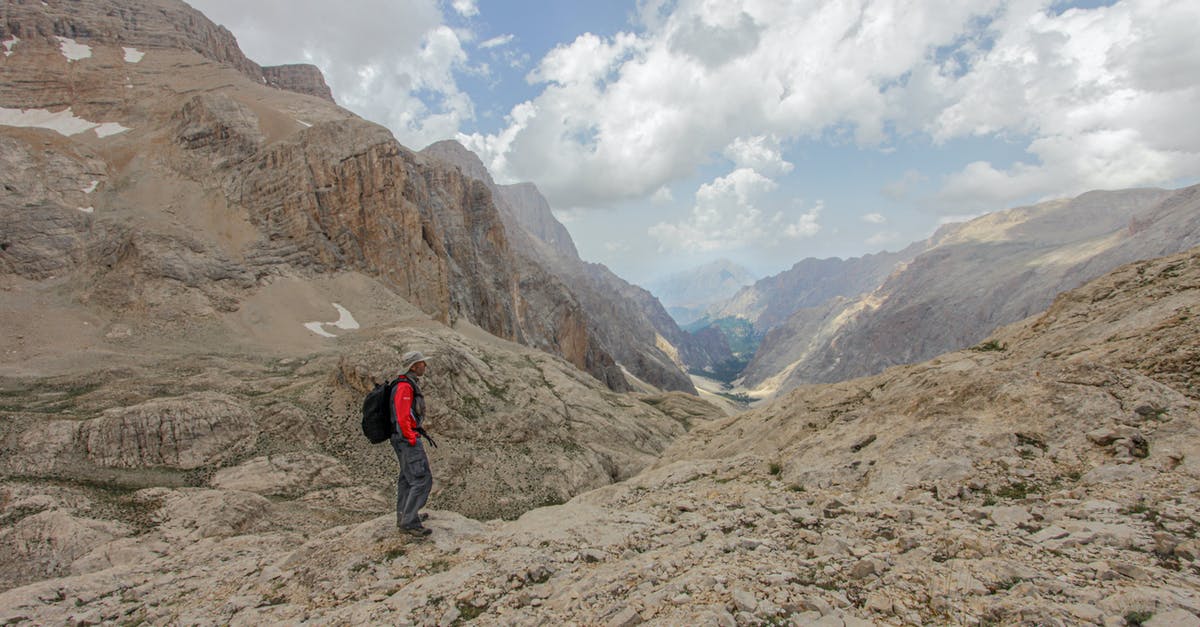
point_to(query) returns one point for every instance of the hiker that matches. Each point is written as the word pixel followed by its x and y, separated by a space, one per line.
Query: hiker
pixel 415 480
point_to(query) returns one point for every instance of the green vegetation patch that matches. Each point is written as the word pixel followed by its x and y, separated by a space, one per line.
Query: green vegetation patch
pixel 989 346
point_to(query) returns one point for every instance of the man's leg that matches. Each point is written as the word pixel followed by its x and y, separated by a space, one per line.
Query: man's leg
pixel 402 485
pixel 420 482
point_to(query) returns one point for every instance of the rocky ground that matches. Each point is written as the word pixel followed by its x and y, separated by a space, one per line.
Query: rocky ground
pixel 1047 477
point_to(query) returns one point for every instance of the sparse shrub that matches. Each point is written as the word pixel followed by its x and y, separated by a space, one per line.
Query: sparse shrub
pixel 1018 490
pixel 468 612
pixel 775 468
pixel 394 552
pixel 988 346
pixel 1137 617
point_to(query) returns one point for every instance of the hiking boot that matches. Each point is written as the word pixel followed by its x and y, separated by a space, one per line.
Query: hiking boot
pixel 421 518
pixel 417 530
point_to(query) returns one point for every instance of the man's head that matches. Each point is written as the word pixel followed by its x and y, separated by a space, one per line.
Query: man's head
pixel 413 361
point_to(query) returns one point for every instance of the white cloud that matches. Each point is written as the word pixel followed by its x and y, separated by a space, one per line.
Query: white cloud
pixel 807 225
pixel 874 218
pixel 1107 97
pixel 499 40
pixel 727 216
pixel 1100 97
pixel 587 60
pixel 465 8
pixel 760 153
pixel 621 117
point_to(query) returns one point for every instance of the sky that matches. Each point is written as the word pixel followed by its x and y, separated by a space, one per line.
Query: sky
pixel 669 133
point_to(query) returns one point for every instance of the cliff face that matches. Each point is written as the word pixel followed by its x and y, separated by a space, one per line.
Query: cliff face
pixel 627 321
pixel 533 214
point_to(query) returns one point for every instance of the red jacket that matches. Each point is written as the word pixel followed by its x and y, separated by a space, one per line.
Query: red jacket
pixel 402 406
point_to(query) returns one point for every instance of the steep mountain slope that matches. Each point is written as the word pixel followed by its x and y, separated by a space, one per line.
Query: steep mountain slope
pixel 251 181
pixel 974 277
pixel 628 321
pixel 810 283
pixel 1047 477
pixel 200 272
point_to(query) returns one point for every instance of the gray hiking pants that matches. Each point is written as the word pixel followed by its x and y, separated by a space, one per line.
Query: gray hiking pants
pixel 414 482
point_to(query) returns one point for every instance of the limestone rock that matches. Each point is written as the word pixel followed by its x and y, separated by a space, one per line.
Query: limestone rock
pixel 191 514
pixel 185 433
pixel 289 474
pixel 45 545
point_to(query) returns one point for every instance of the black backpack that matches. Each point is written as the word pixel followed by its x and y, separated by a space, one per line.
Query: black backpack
pixel 377 413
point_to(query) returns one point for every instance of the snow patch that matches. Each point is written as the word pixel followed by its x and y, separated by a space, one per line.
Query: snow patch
pixel 133 55
pixel 318 328
pixel 87 209
pixel 9 44
pixel 109 128
pixel 91 187
pixel 303 123
pixel 63 122
pixel 345 321
pixel 73 50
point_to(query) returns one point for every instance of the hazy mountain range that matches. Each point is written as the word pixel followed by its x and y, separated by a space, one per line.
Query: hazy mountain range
pixel 687 295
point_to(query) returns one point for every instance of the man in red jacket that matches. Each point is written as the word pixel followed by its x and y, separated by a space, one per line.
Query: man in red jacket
pixel 408 411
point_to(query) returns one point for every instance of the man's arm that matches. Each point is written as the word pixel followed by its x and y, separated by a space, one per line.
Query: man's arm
pixel 404 418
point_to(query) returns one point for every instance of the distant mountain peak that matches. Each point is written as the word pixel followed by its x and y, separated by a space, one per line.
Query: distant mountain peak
pixel 688 293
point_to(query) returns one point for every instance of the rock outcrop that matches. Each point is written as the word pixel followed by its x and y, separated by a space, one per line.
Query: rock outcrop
pixel 533 214
pixel 302 78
